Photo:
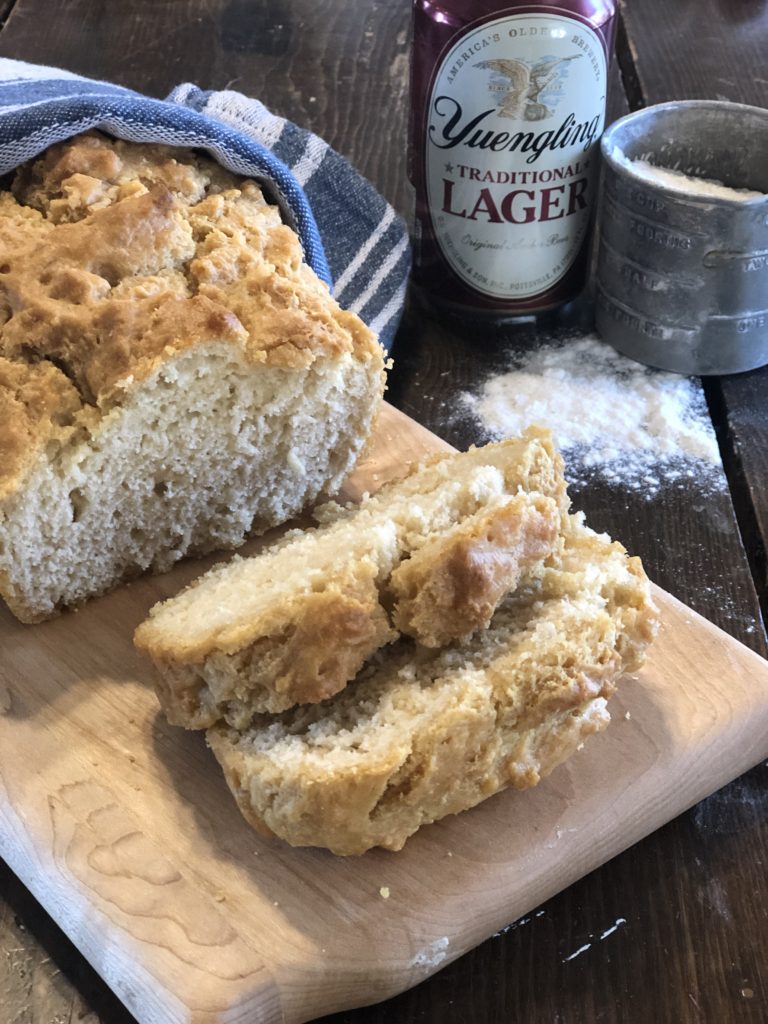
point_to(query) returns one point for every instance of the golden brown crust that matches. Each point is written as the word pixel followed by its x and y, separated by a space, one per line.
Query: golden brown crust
pixel 115 256
pixel 36 403
pixel 91 171
pixel 332 635
pixel 307 651
pixel 425 734
pixel 452 585
pixel 215 648
pixel 461 759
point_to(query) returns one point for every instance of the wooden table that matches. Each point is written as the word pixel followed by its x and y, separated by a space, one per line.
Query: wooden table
pixel 691 898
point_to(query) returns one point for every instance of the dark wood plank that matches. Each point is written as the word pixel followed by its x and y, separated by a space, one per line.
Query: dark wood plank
pixel 686 903
pixel 338 67
pixel 698 49
pixel 744 418
pixel 5 10
pixel 43 980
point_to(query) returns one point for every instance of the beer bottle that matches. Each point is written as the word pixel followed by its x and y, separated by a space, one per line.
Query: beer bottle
pixel 507 109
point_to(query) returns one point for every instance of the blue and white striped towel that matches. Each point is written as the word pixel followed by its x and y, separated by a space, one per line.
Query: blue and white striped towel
pixel 351 236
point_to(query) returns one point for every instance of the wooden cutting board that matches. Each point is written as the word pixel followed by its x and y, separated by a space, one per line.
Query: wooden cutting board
pixel 124 830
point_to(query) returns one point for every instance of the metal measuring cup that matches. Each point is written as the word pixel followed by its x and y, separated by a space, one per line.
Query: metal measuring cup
pixel 682 279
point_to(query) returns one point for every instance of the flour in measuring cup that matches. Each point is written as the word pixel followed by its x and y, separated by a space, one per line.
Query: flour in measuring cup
pixel 688 183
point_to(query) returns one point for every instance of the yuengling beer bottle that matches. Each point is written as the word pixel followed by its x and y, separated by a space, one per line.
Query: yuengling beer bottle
pixel 507 109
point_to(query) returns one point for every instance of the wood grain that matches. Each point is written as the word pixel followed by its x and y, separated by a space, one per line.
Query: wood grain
pixel 744 419
pixel 692 948
pixel 698 49
pixel 125 832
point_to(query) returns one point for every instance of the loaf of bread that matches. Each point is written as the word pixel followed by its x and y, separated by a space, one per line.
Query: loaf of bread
pixel 173 376
pixel 430 556
pixel 425 733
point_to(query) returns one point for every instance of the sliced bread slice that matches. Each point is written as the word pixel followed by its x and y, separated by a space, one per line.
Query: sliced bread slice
pixel 297 622
pixel 422 733
pixel 451 586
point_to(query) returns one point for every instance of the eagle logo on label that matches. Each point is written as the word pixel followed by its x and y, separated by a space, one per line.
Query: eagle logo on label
pixel 527 90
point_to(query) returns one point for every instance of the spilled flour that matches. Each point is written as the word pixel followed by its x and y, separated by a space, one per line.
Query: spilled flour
pixel 612 418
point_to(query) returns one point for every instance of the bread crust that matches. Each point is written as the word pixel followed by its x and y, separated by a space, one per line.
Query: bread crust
pixel 307 651
pixel 116 256
pixel 452 586
pixel 235 665
pixel 425 734
pixel 36 403
pixel 120 262
pixel 459 765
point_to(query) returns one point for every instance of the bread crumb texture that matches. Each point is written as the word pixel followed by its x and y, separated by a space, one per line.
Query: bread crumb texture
pixel 429 556
pixel 423 732
pixel 173 376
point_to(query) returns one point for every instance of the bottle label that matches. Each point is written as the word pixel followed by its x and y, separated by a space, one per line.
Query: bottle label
pixel 515 116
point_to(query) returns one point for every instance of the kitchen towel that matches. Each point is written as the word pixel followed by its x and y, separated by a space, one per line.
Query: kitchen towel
pixel 351 236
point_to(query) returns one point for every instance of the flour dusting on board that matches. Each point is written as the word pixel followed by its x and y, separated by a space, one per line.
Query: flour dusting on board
pixel 637 428
pixel 431 955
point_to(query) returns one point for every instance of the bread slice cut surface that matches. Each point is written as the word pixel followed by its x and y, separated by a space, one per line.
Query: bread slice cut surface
pixel 430 556
pixel 425 733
